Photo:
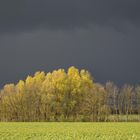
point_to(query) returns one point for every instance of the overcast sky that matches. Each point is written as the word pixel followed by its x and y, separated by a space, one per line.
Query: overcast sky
pixel 102 36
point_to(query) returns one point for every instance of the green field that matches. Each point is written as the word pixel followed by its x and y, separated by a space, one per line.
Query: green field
pixel 69 131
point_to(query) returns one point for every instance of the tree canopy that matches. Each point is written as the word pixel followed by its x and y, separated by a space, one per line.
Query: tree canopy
pixel 61 95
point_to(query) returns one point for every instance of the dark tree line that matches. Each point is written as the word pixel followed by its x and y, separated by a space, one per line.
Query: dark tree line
pixel 66 96
pixel 124 100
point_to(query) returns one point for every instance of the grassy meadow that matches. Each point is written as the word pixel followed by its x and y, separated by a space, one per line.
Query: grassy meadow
pixel 69 131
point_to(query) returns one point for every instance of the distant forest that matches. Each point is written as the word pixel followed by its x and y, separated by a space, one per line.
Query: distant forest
pixel 70 95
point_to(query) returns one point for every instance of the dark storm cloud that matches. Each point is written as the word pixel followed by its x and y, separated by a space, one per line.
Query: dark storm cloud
pixel 106 53
pixel 17 15
pixel 99 35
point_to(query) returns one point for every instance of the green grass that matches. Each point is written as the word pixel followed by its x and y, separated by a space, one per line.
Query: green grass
pixel 124 118
pixel 69 131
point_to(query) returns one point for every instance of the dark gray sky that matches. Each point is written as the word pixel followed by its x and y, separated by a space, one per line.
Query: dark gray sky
pixel 102 36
